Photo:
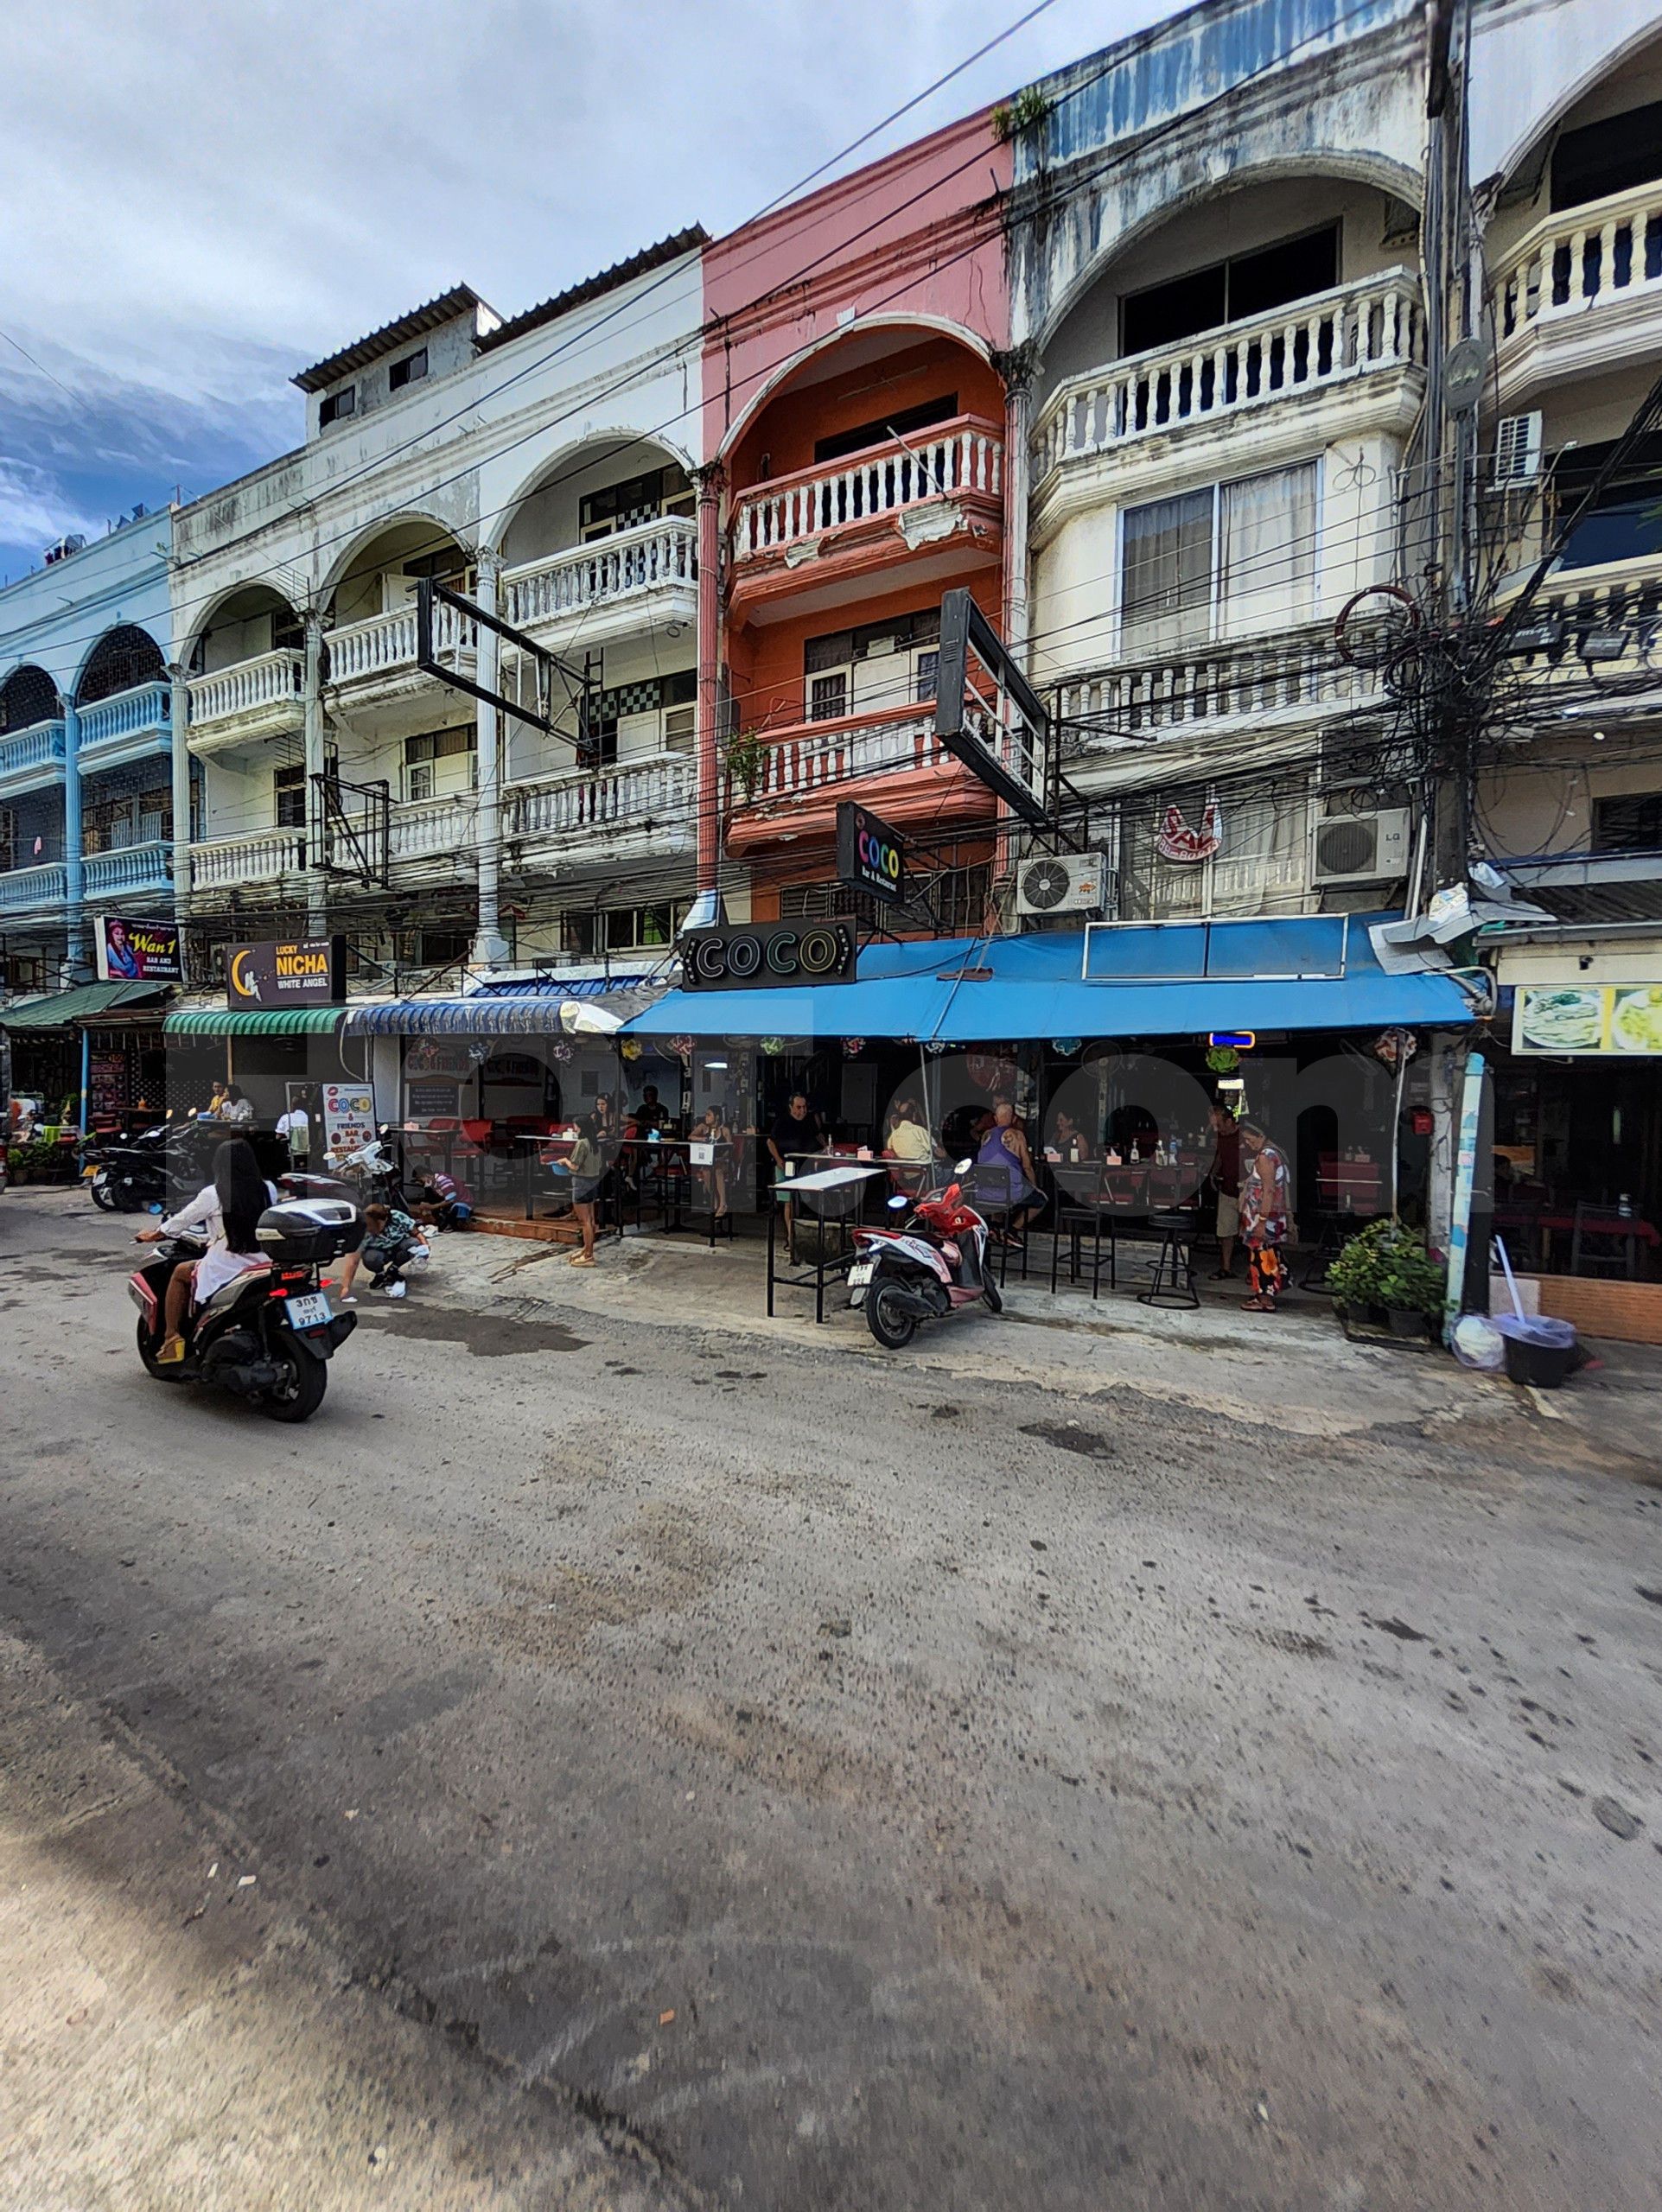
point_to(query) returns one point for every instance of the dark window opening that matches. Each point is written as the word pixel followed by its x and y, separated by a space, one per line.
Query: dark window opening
pixel 828 698
pixel 442 948
pixel 289 797
pixel 122 660
pixel 410 370
pixel 647 498
pixel 899 424
pixel 1625 523
pixel 1230 291
pixel 1614 155
pixel 335 406
pixel 1631 823
pixel 444 566
pixel 27 695
pixel 112 825
pixel 8 840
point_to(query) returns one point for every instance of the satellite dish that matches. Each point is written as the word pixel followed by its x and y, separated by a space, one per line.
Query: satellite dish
pixel 1463 368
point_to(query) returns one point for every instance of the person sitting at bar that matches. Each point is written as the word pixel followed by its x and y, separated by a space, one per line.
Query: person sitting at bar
pixel 1069 1142
pixel 652 1113
pixel 908 1135
pixel 235 1108
pixel 1004 1171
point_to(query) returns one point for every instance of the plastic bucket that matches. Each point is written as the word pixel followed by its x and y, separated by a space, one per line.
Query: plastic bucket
pixel 1539 1350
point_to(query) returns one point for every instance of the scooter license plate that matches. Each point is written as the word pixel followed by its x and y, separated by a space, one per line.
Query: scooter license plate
pixel 311 1311
pixel 862 1273
pixel 88 1175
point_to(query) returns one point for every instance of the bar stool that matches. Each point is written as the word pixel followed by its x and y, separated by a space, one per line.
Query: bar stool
pixel 1172 1284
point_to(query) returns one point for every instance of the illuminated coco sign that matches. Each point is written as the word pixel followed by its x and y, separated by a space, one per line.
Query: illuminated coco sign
pixel 870 856
pixel 771 954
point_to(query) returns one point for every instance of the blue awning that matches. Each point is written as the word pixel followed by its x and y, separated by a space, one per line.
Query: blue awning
pixel 557 987
pixel 1177 979
pixel 491 1014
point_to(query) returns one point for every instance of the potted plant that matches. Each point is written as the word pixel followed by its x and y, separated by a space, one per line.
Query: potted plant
pixel 1355 1276
pixel 1412 1287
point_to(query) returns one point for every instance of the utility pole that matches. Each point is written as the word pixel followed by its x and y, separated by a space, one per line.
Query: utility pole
pixel 490 946
pixel 312 710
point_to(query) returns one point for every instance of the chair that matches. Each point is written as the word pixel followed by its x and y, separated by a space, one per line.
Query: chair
pixel 1082 1205
pixel 1603 1242
pixel 1172 1284
pixel 991 1188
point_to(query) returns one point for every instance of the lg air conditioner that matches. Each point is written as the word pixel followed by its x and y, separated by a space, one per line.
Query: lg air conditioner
pixel 1517 450
pixel 1362 848
pixel 1063 883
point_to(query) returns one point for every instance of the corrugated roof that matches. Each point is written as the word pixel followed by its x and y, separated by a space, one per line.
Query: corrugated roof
pixel 460 299
pixel 593 288
pixel 62 1007
pixel 260 1021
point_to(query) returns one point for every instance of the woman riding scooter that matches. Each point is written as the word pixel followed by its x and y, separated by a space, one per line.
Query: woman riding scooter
pixel 225 1213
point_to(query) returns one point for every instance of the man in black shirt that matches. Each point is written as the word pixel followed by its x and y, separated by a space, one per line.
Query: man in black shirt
pixel 798 1129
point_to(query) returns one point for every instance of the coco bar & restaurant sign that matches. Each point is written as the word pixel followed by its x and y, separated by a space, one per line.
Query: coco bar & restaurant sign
pixel 293 971
pixel 767 955
pixel 870 856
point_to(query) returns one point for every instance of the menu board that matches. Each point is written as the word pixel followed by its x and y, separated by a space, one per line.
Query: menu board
pixel 1587 1019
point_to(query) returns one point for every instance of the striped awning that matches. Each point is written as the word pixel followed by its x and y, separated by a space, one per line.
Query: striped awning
pixel 84 1003
pixel 554 987
pixel 255 1021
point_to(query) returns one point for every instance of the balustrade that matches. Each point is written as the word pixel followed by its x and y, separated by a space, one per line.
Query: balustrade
pixel 223 863
pixel 247 686
pixel 129 868
pixel 965 455
pixel 654 554
pixel 31 890
pixel 1584 259
pixel 146 709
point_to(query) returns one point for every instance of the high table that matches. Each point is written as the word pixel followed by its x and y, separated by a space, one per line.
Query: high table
pixel 829 1194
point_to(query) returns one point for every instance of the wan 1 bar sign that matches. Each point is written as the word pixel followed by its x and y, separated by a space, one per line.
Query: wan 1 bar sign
pixel 287 971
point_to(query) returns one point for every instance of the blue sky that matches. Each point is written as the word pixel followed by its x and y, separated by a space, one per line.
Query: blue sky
pixel 202 198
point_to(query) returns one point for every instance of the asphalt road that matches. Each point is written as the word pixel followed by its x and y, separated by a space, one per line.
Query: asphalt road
pixel 871 1789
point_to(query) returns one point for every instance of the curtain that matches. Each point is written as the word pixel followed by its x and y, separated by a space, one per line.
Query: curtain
pixel 1166 582
pixel 1267 565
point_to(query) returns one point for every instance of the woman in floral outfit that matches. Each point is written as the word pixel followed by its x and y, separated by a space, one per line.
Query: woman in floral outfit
pixel 1266 1218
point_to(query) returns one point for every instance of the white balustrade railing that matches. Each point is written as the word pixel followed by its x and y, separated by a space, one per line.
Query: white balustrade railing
pixel 656 791
pixel 387 643
pixel 131 868
pixel 125 714
pixel 810 756
pixel 42 746
pixel 633 562
pixel 221 862
pixel 1354 330
pixel 1585 258
pixel 965 455
pixel 1594 622
pixel 422 828
pixel 22 890
pixel 246 687
pixel 1210 683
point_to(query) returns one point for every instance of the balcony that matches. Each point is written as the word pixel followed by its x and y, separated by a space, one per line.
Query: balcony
pixel 1590 628
pixel 34 891
pixel 268 857
pixel 248 701
pixel 1583 291
pixel 934 501
pixel 638 809
pixel 128 726
pixel 31 759
pixel 1370 329
pixel 891 759
pixel 1211 689
pixel 1227 884
pixel 376 660
pixel 427 839
pixel 130 869
pixel 1588 888
pixel 639 580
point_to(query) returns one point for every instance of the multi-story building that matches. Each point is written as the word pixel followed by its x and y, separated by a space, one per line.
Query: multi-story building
pixel 86 793
pixel 538 470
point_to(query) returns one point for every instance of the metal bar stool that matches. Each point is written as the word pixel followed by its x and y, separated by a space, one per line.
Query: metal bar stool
pixel 1172 1284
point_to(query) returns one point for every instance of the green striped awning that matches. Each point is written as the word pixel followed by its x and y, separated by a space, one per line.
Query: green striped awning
pixel 85 1001
pixel 255 1021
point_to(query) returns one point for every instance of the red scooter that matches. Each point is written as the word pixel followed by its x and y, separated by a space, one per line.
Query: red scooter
pixel 932 1261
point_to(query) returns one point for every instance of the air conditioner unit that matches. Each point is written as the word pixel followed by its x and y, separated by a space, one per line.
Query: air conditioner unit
pixel 1517 449
pixel 1065 883
pixel 1362 848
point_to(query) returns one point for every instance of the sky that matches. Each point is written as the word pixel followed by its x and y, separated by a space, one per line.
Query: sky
pixel 203 198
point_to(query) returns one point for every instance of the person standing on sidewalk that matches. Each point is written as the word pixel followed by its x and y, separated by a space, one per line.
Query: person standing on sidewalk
pixel 587 1163
pixel 295 1126
pixel 1226 1181
pixel 1266 1219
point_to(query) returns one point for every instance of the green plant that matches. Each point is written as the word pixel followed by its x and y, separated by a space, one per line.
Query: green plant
pixel 1025 112
pixel 746 754
pixel 1386 1264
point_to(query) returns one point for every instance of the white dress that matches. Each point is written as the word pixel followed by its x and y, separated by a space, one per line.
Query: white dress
pixel 218 1265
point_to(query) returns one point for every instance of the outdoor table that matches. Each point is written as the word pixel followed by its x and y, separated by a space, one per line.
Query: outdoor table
pixel 830 1194
pixel 1080 1203
pixel 678 1173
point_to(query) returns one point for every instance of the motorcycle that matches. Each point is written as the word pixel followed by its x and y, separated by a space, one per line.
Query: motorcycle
pixel 932 1261
pixel 267 1336
pixel 127 1174
pixel 366 1176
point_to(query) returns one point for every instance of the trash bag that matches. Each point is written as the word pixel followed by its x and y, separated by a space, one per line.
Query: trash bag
pixel 1477 1342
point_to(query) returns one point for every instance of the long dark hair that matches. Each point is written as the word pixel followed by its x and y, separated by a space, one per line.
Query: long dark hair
pixel 242 1193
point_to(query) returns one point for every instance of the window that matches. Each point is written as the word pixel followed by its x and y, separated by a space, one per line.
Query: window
pixel 442 948
pixel 1235 560
pixel 1261 867
pixel 638 499
pixel 440 763
pixel 1614 155
pixel 639 718
pixel 1631 823
pixel 1626 521
pixel 828 696
pixel 622 928
pixel 888 663
pixel 410 370
pixel 289 797
pixel 899 424
pixel 335 406
pixel 112 825
pixel 1229 292
pixel 8 840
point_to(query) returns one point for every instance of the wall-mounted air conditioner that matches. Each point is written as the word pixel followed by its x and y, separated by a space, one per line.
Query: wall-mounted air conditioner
pixel 1062 883
pixel 1362 848
pixel 1517 450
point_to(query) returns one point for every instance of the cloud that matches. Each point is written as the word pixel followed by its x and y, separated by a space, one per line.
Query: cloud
pixel 202 198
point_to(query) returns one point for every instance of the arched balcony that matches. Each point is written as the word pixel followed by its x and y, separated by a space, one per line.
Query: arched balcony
pixel 32 751
pixel 122 702
pixel 370 619
pixel 247 667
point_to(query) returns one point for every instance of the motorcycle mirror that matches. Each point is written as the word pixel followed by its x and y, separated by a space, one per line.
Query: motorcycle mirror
pixel 899 1203
pixel 964 1167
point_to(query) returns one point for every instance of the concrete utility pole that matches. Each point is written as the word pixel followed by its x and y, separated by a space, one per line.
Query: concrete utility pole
pixel 490 946
pixel 312 709
pixel 711 483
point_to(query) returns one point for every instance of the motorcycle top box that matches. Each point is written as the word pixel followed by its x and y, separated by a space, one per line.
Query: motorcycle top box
pixel 308 1232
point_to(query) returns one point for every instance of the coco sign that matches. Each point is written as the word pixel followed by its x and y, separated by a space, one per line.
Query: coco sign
pixel 770 956
pixel 870 856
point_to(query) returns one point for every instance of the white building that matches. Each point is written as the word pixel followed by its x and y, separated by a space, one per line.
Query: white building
pixel 540 469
